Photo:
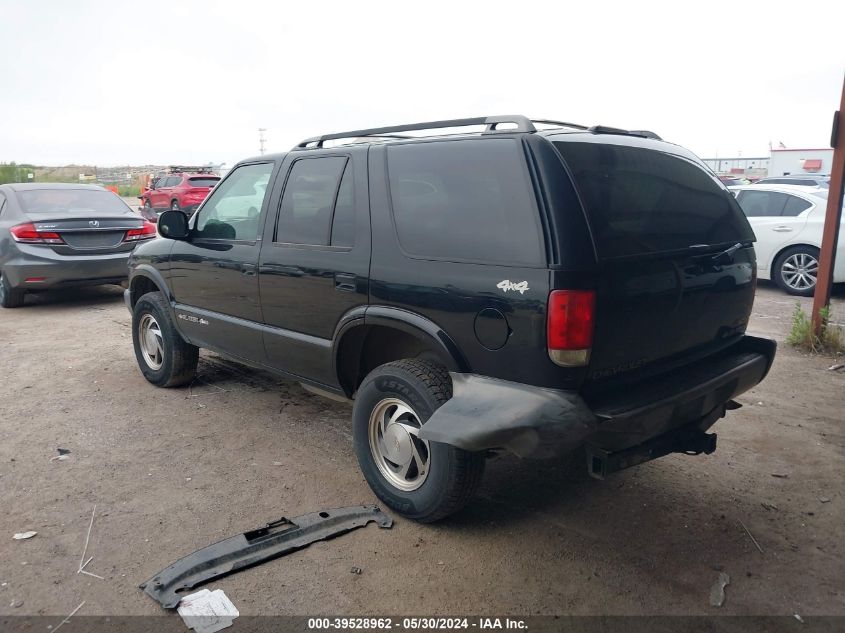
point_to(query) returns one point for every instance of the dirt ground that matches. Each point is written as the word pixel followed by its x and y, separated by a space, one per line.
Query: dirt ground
pixel 171 471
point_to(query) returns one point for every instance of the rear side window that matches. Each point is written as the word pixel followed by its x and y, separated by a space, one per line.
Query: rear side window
pixel 642 200
pixel 305 216
pixel 795 206
pixel 464 200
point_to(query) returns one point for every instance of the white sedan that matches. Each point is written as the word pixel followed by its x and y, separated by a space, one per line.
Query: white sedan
pixel 788 222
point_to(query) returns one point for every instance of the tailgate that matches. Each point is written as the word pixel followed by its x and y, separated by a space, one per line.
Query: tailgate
pixel 666 292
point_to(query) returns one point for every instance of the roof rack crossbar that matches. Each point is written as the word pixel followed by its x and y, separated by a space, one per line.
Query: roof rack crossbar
pixel 574 126
pixel 492 123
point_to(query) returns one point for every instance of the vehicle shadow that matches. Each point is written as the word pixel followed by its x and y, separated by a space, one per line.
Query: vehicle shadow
pixel 71 297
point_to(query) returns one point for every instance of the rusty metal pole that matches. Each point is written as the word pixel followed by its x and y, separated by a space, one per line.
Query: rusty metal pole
pixel 833 216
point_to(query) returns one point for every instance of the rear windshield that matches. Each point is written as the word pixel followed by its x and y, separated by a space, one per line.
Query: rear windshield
pixel 209 181
pixel 59 200
pixel 644 201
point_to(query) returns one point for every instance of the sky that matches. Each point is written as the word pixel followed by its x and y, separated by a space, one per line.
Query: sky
pixel 180 82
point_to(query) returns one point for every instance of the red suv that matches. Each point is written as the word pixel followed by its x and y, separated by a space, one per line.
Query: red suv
pixel 178 192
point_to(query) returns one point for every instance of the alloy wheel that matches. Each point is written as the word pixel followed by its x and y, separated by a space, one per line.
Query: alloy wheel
pixel 401 456
pixel 799 271
pixel 151 342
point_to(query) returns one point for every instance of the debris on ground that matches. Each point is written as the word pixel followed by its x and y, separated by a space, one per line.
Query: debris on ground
pixel 356 570
pixel 275 539
pixel 751 536
pixel 780 475
pixel 60 458
pixel 207 611
pixel 20 536
pixel 824 499
pixel 63 451
pixel 82 562
pixel 717 591
pixel 798 617
pixel 70 615
pixel 837 367
pixel 768 506
pixel 16 603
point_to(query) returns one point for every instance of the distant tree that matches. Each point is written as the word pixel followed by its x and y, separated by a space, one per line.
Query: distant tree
pixel 12 172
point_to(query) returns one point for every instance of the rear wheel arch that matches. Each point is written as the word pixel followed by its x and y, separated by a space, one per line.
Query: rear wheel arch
pixel 367 344
pixel 785 248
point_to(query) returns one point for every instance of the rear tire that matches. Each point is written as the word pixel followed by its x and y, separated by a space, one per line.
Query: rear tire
pixel 424 481
pixel 163 356
pixel 10 297
pixel 796 270
pixel 174 205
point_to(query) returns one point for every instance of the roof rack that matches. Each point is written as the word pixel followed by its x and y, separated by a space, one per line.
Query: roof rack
pixel 492 123
pixel 523 124
pixel 189 169
pixel 603 129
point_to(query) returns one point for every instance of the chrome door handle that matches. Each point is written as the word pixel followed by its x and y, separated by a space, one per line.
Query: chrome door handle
pixel 782 229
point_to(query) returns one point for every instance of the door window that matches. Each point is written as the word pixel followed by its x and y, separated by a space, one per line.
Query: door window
pixel 343 222
pixel 464 200
pixel 761 204
pixel 233 209
pixel 305 215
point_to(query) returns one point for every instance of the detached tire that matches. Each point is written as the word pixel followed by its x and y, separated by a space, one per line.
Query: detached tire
pixel 10 297
pixel 163 356
pixel 796 270
pixel 421 480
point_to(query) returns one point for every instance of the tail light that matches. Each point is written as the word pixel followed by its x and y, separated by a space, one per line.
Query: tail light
pixel 28 234
pixel 146 232
pixel 569 330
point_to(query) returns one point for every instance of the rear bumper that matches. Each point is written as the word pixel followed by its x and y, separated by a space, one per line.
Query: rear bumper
pixel 486 413
pixel 35 262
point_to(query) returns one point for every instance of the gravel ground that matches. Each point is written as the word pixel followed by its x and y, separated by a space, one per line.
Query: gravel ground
pixel 171 471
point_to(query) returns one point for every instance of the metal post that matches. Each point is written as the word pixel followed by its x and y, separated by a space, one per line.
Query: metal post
pixel 833 216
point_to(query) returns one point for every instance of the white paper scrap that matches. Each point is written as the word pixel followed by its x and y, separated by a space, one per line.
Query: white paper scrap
pixel 207 611
pixel 24 535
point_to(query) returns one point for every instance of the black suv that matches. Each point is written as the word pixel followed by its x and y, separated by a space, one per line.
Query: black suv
pixel 536 287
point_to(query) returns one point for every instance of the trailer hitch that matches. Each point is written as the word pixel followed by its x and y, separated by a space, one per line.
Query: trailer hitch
pixel 689 441
pixel 275 539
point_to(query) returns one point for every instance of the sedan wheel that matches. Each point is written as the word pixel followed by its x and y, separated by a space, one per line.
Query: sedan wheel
pixel 10 297
pixel 797 271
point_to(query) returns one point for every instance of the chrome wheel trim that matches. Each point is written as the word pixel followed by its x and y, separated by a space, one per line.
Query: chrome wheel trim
pixel 151 342
pixel 401 456
pixel 799 271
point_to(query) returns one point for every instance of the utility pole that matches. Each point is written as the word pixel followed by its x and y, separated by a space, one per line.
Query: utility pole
pixel 833 216
pixel 261 139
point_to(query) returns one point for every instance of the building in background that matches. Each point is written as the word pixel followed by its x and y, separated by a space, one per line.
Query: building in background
pixel 793 162
pixel 753 168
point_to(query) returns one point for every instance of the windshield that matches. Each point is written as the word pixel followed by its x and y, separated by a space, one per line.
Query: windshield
pixel 70 200
pixel 641 200
pixel 208 181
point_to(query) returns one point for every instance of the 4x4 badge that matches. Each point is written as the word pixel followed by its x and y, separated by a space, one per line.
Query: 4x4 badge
pixel 507 284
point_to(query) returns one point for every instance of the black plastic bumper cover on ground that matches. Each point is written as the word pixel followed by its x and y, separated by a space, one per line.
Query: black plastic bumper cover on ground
pixel 257 546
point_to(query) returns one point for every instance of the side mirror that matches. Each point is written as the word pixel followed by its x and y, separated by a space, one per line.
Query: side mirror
pixel 173 225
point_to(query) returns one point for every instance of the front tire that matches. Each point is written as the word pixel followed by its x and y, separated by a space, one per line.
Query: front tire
pixel 163 356
pixel 10 297
pixel 421 480
pixel 174 205
pixel 796 270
